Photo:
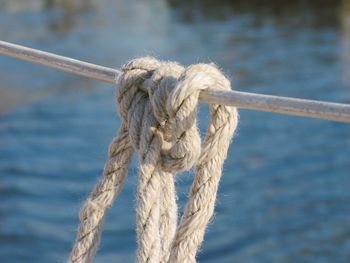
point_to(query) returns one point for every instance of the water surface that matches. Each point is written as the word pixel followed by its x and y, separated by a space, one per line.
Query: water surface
pixel 284 195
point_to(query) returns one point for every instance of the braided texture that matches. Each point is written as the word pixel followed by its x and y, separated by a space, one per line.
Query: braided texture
pixel 158 105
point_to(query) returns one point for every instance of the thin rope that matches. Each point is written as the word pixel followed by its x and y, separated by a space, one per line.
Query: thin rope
pixel 158 102
pixel 290 106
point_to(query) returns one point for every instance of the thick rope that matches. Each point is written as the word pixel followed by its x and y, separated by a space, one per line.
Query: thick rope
pixel 200 207
pixel 158 104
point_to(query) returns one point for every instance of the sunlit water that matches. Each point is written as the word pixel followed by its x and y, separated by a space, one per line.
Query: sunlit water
pixel 285 192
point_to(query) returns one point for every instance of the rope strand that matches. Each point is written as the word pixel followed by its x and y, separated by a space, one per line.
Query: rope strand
pixel 103 196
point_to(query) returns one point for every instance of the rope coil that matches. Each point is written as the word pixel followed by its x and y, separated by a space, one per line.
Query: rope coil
pixel 158 104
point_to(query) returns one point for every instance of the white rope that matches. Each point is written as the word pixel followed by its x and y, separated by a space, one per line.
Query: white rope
pixel 103 196
pixel 158 104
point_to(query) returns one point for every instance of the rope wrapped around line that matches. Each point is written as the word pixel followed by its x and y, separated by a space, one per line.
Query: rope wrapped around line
pixel 158 104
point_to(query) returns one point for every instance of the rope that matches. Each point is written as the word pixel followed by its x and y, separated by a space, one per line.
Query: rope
pixel 261 102
pixel 158 105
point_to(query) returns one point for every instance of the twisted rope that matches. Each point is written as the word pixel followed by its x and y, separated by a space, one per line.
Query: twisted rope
pixel 158 104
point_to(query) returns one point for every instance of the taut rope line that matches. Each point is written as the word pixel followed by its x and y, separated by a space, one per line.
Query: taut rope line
pixel 291 106
pixel 157 102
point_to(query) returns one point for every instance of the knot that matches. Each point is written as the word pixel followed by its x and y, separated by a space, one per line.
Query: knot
pixel 158 104
pixel 148 80
pixel 182 110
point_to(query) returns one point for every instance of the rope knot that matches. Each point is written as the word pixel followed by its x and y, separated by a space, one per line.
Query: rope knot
pixel 158 104
pixel 148 79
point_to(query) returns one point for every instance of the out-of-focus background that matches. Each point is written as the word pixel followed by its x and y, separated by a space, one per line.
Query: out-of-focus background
pixel 285 191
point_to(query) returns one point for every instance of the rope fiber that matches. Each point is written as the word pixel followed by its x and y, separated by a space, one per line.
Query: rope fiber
pixel 157 102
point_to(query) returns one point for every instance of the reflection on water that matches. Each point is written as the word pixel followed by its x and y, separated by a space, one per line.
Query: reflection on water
pixel 69 11
pixel 316 13
pixel 284 194
pixel 12 98
pixel 345 41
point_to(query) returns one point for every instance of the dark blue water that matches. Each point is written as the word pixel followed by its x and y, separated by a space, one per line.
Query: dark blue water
pixel 285 191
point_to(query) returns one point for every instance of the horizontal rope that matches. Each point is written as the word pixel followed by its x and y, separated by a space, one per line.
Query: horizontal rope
pixel 284 105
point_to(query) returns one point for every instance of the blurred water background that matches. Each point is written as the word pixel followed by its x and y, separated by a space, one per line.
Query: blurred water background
pixel 285 192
